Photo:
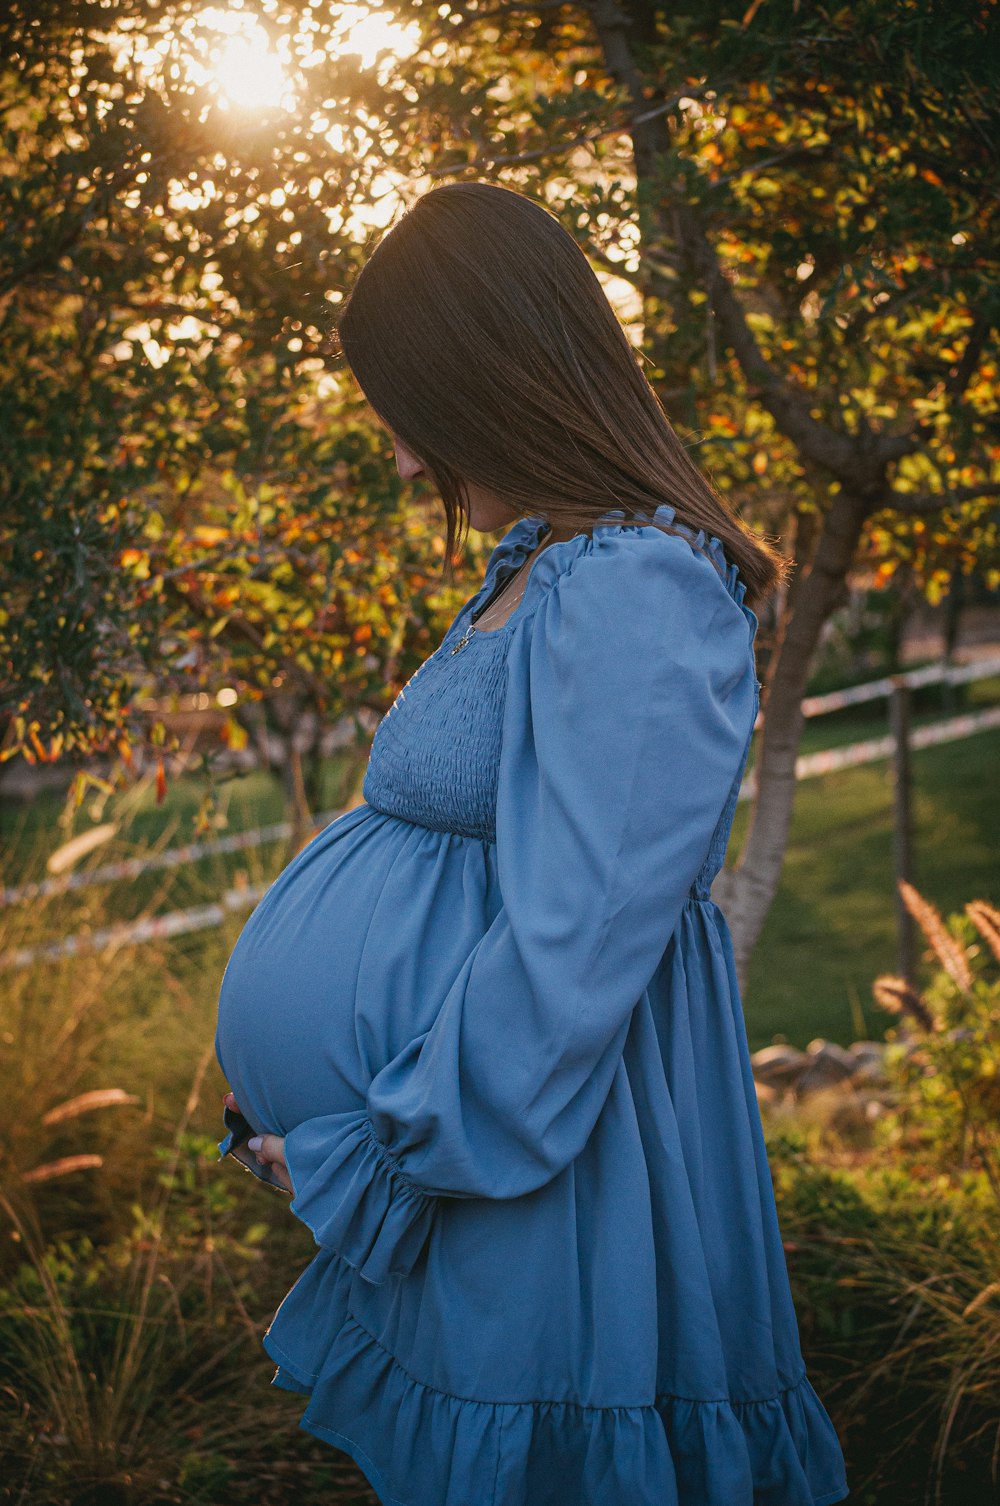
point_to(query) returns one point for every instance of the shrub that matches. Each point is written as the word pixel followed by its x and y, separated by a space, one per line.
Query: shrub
pixel 895 1256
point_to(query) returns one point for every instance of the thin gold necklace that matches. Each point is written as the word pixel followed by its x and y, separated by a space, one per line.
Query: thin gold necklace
pixel 473 628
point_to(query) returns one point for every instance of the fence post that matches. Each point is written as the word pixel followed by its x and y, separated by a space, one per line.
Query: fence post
pixel 899 726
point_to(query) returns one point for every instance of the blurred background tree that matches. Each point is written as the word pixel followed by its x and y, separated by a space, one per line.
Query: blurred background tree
pixel 192 501
pixel 794 211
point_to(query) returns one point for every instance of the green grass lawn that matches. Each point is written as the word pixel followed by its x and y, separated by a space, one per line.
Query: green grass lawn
pixel 142 1019
pixel 829 932
pixel 248 801
pixel 932 703
pixel 831 929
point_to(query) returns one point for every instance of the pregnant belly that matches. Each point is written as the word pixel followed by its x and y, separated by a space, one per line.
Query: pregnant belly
pixel 345 961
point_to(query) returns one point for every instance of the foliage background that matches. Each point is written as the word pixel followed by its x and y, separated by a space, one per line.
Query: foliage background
pixel 794 209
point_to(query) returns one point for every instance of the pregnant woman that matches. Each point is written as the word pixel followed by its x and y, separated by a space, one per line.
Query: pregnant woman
pixel 485 1027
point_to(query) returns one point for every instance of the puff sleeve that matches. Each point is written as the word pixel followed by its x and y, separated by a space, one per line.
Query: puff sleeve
pixel 629 704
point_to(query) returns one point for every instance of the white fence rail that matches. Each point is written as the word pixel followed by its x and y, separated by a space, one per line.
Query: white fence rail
pixel 829 760
pixel 171 857
pixel 132 932
pixel 201 917
pixel 912 679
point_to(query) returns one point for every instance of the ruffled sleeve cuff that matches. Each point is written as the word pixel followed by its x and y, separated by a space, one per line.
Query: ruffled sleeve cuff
pixel 234 1145
pixel 353 1196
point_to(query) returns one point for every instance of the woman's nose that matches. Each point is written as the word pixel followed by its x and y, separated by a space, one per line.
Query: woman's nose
pixel 407 464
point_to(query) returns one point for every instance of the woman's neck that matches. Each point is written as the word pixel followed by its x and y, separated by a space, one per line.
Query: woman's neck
pixel 558 535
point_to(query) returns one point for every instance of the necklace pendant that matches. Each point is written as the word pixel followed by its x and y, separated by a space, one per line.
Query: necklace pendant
pixel 463 640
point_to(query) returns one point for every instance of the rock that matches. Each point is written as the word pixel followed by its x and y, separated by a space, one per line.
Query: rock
pixel 869 1071
pixel 868 1050
pixel 821 1046
pixel 827 1064
pixel 778 1065
pixel 855 1110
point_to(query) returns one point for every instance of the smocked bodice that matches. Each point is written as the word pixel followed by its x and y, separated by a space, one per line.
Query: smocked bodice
pixel 436 753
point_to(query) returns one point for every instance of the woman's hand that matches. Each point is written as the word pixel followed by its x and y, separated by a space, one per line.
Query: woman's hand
pixel 269 1149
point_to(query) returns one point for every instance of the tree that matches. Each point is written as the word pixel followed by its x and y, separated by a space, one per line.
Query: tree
pixel 190 498
pixel 805 201
pixel 802 202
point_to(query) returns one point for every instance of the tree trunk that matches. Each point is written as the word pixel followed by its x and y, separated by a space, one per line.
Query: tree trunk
pixel 671 226
pixel 295 786
pixel 746 891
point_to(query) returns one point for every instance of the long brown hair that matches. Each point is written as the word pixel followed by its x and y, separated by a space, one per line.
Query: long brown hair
pixel 480 334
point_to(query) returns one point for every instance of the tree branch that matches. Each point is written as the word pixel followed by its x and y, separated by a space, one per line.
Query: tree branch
pixel 62 237
pixel 858 461
pixel 554 148
pixel 961 375
pixel 891 305
pixel 792 154
pixel 461 18
pixel 239 629
pixel 917 504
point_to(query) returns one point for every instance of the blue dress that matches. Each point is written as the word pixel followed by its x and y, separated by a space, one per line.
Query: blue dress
pixel 494 1012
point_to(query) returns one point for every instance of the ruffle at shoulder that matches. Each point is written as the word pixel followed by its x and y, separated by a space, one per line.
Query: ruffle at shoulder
pixel 664 528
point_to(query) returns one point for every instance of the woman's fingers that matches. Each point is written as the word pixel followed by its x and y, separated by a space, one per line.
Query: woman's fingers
pixel 280 1171
pixel 268 1148
pixel 270 1151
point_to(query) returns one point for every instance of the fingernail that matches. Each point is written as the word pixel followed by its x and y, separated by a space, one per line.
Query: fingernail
pixel 255 1143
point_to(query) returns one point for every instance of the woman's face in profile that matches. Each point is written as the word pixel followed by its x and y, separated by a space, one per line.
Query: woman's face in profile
pixel 408 465
pixel 486 510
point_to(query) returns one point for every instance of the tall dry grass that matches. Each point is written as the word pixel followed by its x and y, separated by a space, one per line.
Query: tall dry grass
pixel 895 1251
pixel 133 1284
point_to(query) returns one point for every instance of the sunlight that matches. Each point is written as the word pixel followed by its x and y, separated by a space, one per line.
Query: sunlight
pixel 368 32
pixel 233 56
pixel 240 65
pixel 248 73
pixel 244 66
pixel 247 70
